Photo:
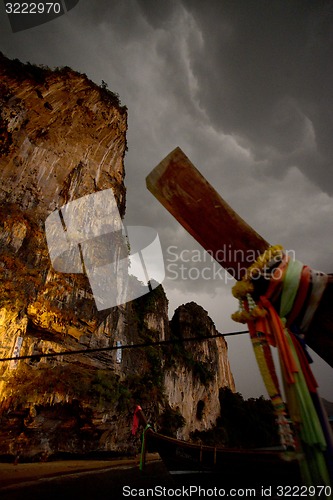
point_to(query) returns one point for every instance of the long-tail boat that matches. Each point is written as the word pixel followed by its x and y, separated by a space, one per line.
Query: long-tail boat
pixel 217 465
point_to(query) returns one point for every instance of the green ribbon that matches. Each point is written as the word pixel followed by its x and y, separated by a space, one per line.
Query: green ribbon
pixel 313 468
pixel 143 447
pixel 290 287
pixel 311 433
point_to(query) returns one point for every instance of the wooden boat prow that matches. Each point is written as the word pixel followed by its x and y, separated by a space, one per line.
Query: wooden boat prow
pixel 229 466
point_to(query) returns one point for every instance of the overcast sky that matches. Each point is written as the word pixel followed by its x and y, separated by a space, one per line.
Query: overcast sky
pixel 245 89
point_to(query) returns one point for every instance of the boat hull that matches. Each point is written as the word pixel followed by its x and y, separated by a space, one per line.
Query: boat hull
pixel 222 466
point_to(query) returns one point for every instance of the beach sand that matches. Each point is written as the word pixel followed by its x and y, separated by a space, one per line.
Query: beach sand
pixel 12 475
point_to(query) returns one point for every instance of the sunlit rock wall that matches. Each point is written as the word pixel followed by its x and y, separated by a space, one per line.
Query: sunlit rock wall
pixel 63 137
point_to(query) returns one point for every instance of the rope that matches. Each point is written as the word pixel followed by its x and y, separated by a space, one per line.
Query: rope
pixel 125 346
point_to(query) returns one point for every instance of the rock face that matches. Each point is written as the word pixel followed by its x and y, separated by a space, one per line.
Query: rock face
pixel 196 370
pixel 62 137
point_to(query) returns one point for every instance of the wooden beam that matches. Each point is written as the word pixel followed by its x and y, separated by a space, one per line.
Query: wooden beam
pixel 320 332
pixel 187 195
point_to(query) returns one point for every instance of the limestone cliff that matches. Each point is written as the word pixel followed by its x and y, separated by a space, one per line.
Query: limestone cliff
pixel 195 371
pixel 62 137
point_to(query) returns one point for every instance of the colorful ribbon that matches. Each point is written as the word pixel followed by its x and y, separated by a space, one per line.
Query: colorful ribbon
pixel 291 286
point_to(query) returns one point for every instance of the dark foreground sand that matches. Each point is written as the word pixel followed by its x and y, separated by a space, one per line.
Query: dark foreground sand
pixel 83 480
pixel 22 474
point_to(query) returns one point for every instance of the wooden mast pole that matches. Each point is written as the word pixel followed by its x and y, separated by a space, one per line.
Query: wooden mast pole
pixel 187 195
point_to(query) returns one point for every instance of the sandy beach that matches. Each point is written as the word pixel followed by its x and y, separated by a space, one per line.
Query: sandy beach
pixel 22 474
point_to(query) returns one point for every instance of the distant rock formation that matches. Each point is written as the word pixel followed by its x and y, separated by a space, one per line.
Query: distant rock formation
pixel 62 137
pixel 195 371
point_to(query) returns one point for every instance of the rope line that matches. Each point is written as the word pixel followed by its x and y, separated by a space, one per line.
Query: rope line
pixel 126 346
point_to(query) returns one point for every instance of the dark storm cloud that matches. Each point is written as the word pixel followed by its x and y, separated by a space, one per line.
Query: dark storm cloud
pixel 122 18
pixel 158 13
pixel 265 74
